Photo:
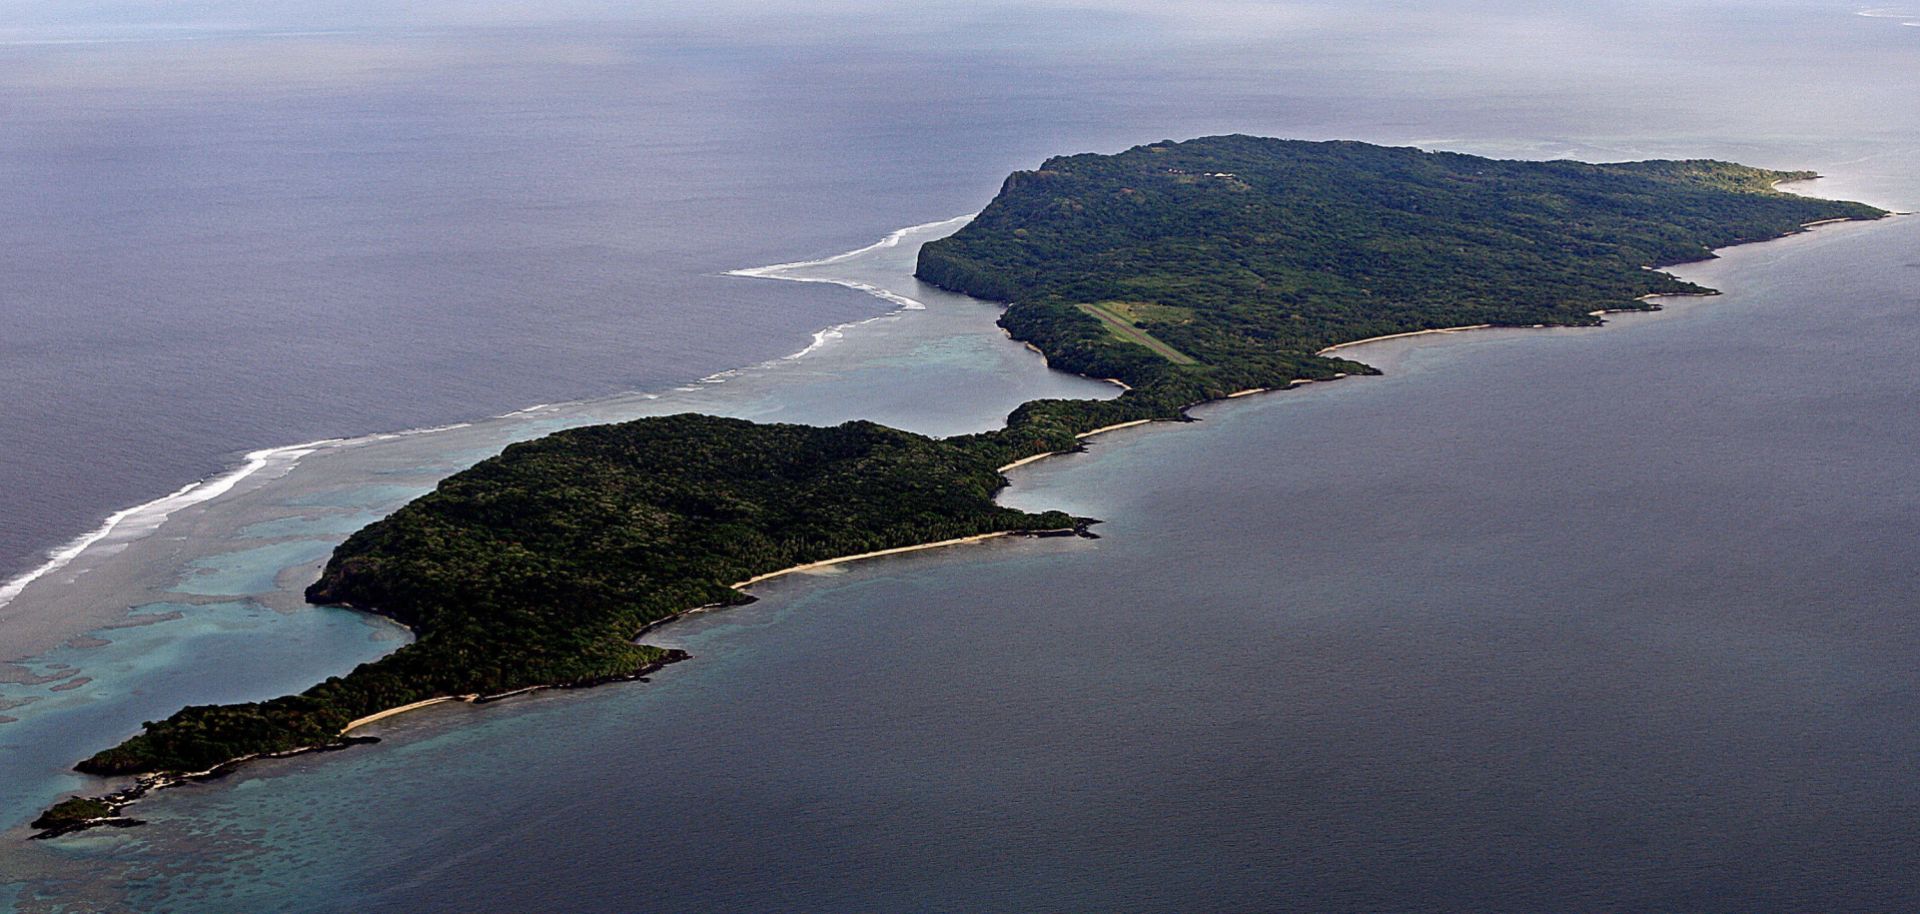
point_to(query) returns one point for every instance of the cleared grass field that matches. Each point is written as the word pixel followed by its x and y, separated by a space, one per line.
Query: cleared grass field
pixel 1119 317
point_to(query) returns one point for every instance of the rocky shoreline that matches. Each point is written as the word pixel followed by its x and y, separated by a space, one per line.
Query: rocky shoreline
pixel 80 813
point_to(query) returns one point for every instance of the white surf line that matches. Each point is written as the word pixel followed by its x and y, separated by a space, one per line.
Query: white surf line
pixel 409 433
pixel 893 239
pixel 784 271
pixel 1909 18
pixel 143 518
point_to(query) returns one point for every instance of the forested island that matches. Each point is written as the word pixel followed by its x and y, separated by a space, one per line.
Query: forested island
pixel 1187 271
pixel 1193 270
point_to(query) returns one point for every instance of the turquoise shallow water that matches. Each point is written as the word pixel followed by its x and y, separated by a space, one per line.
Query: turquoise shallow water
pixel 1644 644
pixel 306 526
pixel 367 496
pixel 171 654
pixel 249 570
pixel 144 663
pixel 1612 620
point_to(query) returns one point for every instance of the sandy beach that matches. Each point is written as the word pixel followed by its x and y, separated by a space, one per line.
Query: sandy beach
pixel 158 783
pixel 900 550
pixel 1396 336
pixel 1083 435
pixel 824 563
pixel 390 712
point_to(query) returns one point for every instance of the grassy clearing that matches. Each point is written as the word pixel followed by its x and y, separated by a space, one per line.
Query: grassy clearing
pixel 1119 319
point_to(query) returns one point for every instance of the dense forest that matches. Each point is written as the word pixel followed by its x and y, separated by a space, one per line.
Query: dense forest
pixel 1248 256
pixel 540 566
pixel 1186 270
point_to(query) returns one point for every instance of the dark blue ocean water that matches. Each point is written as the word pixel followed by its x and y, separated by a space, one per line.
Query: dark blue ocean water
pixel 1600 620
pixel 236 227
pixel 1646 644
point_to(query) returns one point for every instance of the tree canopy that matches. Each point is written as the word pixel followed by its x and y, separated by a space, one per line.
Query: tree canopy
pixel 1241 258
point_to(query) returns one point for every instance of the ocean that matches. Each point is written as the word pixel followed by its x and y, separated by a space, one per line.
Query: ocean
pixel 1597 619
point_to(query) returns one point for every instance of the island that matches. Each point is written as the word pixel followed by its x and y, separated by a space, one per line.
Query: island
pixel 1186 272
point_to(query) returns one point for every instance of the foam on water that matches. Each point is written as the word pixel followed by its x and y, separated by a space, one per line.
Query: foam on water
pixel 129 524
pixel 793 272
pixel 246 543
pixel 1909 18
pixel 891 240
pixel 142 519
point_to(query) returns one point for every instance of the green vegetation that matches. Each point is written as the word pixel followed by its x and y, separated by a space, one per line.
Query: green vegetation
pixel 540 566
pixel 73 812
pixel 1127 328
pixel 1275 249
pixel 1187 270
pixel 1142 313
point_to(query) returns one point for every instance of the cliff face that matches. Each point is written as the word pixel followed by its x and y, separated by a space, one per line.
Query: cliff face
pixel 956 272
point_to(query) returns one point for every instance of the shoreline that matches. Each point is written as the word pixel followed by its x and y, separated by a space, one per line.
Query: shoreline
pixel 897 550
pixel 146 784
pixel 1805 228
pixel 220 482
pixel 1124 386
pixel 1400 336
pixel 150 782
pixel 401 709
pixel 151 514
pixel 638 675
pixel 1081 437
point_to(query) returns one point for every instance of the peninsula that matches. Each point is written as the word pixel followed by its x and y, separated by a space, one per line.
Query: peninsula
pixel 1187 271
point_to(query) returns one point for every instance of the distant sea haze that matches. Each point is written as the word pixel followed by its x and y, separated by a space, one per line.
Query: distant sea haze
pixel 1619 619
pixel 275 233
